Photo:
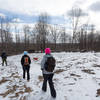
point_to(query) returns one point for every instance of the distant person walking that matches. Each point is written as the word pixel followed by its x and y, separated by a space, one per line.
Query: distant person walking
pixel 4 58
pixel 25 61
pixel 47 67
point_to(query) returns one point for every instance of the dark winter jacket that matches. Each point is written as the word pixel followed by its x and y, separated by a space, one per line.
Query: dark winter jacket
pixel 22 60
pixel 3 55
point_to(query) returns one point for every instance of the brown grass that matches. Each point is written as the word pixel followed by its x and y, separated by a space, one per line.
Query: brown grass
pixel 95 65
pixel 7 92
pixel 89 71
pixel 10 91
pixel 17 94
pixel 79 63
pixel 13 89
pixel 27 89
pixel 15 75
pixel 71 84
pixel 3 80
pixel 98 93
pixel 59 61
pixel 59 71
pixel 75 75
pixel 55 79
pixel 23 98
pixel 40 78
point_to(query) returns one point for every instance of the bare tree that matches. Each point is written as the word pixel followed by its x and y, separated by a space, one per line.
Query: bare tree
pixel 75 15
pixel 64 38
pixel 1 31
pixel 26 30
pixel 55 34
pixel 8 35
pixel 42 29
pixel 91 37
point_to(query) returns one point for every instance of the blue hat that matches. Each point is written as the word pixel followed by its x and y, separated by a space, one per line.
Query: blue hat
pixel 25 52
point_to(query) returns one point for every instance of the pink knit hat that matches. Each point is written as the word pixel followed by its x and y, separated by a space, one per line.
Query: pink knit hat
pixel 47 51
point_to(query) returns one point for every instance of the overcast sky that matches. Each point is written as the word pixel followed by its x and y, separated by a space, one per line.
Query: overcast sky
pixel 52 7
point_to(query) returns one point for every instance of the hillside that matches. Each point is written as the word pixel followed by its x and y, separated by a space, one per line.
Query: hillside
pixel 77 77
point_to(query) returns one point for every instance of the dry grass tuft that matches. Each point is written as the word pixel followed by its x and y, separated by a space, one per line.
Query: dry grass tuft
pixel 75 75
pixel 89 71
pixel 7 92
pixel 98 93
pixel 59 61
pixel 3 80
pixel 23 98
pixel 12 90
pixel 27 89
pixel 95 65
pixel 59 71
pixel 40 78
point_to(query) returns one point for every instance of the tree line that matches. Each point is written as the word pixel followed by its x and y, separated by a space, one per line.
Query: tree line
pixel 84 37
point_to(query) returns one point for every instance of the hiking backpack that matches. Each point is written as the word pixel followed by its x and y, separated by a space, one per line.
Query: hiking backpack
pixel 26 61
pixel 50 64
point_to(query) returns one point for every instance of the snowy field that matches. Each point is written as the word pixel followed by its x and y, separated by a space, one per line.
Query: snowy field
pixel 77 77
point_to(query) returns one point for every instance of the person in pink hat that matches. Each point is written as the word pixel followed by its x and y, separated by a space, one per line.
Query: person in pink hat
pixel 47 67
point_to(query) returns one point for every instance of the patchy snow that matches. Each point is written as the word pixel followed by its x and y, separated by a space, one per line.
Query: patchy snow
pixel 77 77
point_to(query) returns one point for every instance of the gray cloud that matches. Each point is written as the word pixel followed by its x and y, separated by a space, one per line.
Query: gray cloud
pixel 77 12
pixel 95 6
pixel 79 2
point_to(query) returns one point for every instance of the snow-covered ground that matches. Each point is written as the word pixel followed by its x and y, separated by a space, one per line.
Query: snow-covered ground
pixel 77 77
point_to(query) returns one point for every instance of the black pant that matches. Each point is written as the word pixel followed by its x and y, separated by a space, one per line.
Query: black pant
pixel 26 69
pixel 48 77
pixel 4 60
